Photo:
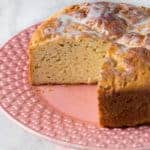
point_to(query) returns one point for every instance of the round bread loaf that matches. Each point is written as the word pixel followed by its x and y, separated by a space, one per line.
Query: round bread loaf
pixel 100 42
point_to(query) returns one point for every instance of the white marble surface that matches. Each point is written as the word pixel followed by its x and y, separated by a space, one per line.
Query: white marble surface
pixel 16 15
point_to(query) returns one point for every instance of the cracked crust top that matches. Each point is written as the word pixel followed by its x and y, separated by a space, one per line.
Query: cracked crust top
pixel 122 23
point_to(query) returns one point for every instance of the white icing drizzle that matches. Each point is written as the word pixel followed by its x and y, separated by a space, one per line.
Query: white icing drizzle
pixel 131 40
pixel 95 12
pixel 82 22
pixel 64 20
pixel 142 27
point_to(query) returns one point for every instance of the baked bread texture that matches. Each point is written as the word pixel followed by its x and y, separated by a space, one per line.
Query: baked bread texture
pixel 99 42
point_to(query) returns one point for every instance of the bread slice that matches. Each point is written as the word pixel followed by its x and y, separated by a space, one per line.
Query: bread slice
pixel 100 42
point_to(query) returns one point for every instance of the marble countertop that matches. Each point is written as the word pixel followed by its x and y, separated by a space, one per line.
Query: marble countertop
pixel 16 15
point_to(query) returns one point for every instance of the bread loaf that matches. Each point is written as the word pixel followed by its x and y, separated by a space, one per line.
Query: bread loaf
pixel 99 42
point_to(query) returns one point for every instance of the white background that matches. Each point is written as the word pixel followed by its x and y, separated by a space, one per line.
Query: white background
pixel 16 15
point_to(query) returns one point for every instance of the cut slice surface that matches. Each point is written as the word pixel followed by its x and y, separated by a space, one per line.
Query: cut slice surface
pixel 68 61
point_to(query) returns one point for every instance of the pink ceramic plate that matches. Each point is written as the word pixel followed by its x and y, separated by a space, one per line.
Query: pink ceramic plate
pixel 60 113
